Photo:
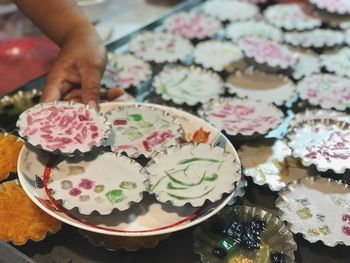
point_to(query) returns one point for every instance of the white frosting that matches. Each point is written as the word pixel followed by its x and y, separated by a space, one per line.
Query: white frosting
pixel 192 25
pixel 253 28
pixel 230 10
pixel 290 17
pixel 125 70
pixel 216 54
pixel 318 208
pixel 141 130
pixel 271 165
pixel 63 126
pixel 327 147
pixel 178 177
pixel 338 62
pixel 316 38
pixel 86 182
pixel 188 85
pixel 326 90
pixel 160 46
pixel 242 116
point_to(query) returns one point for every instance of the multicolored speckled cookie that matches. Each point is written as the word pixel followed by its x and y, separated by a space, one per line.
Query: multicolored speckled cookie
pixel 141 129
pixel 98 182
pixel 317 208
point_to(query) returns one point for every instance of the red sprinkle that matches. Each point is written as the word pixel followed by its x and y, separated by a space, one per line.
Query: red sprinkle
pixel 75 192
pixel 120 122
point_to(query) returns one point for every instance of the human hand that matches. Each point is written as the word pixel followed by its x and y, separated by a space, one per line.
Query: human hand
pixel 77 72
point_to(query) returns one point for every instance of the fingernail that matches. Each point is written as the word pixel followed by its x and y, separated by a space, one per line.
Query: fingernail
pixel 92 103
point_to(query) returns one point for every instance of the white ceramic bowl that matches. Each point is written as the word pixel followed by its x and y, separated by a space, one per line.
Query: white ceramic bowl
pixel 94 9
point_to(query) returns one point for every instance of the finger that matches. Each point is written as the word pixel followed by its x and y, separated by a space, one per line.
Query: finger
pixel 76 99
pixel 91 86
pixel 54 90
pixel 114 93
pixel 76 93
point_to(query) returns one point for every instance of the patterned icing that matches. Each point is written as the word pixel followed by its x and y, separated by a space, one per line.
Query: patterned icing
pixel 271 164
pixel 326 90
pixel 160 46
pixel 192 174
pixel 316 38
pixel 125 70
pixel 256 85
pixel 333 6
pixel 63 126
pixel 216 54
pixel 253 28
pixel 231 10
pixel 242 116
pixel 141 130
pixel 338 62
pixel 290 17
pixel 318 208
pixel 266 51
pixel 97 182
pixel 327 147
pixel 192 25
pixel 188 85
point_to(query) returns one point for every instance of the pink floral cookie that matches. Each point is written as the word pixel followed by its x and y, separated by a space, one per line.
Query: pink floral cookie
pixel 326 90
pixel 160 47
pixel 324 143
pixel 63 127
pixel 125 70
pixel 340 7
pixel 192 25
pixel 242 116
pixel 291 17
pixel 264 51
